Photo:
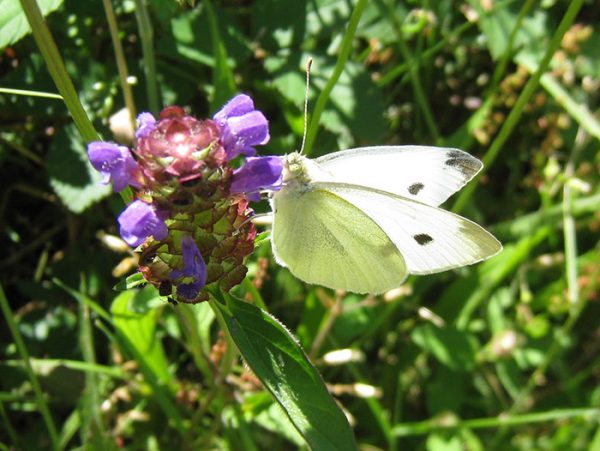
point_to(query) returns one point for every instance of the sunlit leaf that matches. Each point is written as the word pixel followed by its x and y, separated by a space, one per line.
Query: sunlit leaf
pixel 279 362
pixel 13 23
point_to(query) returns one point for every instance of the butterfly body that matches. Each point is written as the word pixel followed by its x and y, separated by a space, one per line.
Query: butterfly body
pixel 363 219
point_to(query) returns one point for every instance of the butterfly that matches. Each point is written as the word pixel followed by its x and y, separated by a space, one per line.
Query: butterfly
pixel 363 219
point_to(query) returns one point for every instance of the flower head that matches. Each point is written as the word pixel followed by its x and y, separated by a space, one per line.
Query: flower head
pixel 115 163
pixel 192 213
pixel 139 221
pixel 242 127
pixel 175 146
pixel 258 173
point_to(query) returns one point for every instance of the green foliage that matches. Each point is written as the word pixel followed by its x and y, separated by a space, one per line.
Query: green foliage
pixel 70 173
pixel 274 356
pixel 501 355
pixel 13 23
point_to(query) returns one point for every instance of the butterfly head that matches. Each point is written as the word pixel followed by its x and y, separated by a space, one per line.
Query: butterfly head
pixel 300 172
pixel 295 169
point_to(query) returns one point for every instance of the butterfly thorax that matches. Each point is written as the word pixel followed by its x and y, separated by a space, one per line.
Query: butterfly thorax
pixel 299 172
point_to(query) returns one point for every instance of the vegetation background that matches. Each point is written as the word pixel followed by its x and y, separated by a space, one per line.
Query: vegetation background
pixel 502 355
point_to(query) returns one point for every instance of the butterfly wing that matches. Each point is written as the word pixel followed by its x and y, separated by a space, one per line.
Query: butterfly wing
pixel 325 240
pixel 430 239
pixel 427 174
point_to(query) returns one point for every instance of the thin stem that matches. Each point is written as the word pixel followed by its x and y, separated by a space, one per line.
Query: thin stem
pixel 120 59
pixel 444 424
pixel 14 438
pixel 76 365
pixel 576 304
pixel 23 151
pixel 57 69
pixel 147 39
pixel 223 81
pixel 505 59
pixel 58 72
pixel 91 396
pixel 515 114
pixel 413 70
pixel 334 312
pixel 400 69
pixel 25 92
pixel 346 47
pixel 570 233
pixel 35 383
pixel 186 318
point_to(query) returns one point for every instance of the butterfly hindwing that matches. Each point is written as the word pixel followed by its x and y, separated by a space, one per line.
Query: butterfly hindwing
pixel 430 239
pixel 323 239
pixel 427 174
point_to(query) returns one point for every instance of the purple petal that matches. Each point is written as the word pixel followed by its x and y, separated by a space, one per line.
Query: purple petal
pixel 258 173
pixel 242 127
pixel 194 267
pixel 252 128
pixel 239 105
pixel 139 221
pixel 241 133
pixel 115 163
pixel 145 125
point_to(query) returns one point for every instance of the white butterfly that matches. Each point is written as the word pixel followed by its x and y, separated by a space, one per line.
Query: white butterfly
pixel 363 219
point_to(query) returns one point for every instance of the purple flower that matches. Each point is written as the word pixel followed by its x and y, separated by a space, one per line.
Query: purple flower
pixel 145 125
pixel 115 163
pixel 258 173
pixel 140 220
pixel 193 268
pixel 242 127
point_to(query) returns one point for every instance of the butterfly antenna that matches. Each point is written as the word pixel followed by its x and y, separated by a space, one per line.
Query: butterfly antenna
pixel 308 64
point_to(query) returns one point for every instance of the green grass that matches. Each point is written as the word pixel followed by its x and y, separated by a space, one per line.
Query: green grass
pixel 501 355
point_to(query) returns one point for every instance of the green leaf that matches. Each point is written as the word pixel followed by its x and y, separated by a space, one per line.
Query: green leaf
pixel 279 362
pixel 262 237
pixel 454 348
pixel 71 175
pixel 498 26
pixel 139 329
pixel 129 282
pixel 13 23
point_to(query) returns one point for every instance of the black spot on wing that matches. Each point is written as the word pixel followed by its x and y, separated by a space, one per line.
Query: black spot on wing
pixel 415 188
pixel 463 162
pixel 423 238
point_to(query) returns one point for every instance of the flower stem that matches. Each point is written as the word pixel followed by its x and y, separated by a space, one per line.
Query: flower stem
pixel 147 39
pixel 59 74
pixel 345 49
pixel 35 383
pixel 413 71
pixel 120 59
pixel 428 426
pixel 57 69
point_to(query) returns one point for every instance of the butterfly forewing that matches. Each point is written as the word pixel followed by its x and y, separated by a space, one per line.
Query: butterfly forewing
pixel 430 239
pixel 427 174
pixel 325 240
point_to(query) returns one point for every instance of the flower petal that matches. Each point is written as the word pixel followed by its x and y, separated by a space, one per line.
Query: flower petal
pixel 139 221
pixel 115 163
pixel 258 173
pixel 242 127
pixel 239 105
pixel 194 267
pixel 145 125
